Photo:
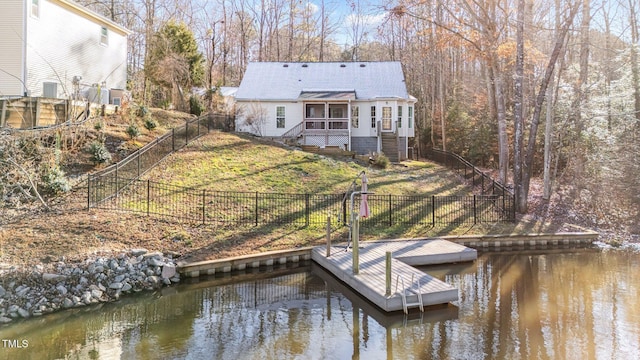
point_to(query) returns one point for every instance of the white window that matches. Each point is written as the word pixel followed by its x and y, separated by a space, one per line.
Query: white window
pixel 373 117
pixel 355 117
pixel 410 117
pixel 104 36
pixel 280 117
pixel 35 8
pixel 399 117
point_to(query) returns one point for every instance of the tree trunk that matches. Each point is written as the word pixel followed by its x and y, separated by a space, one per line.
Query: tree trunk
pixel 521 195
pixel 527 168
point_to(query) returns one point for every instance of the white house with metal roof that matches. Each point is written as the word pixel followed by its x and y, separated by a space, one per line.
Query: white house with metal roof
pixel 58 49
pixel 359 106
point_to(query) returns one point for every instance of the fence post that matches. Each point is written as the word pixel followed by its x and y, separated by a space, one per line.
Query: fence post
pixel 390 218
pixel 186 134
pixel 88 191
pixel 475 214
pixel 204 199
pixel 256 208
pixel 433 210
pixel 148 197
pixel 307 214
pixel 117 184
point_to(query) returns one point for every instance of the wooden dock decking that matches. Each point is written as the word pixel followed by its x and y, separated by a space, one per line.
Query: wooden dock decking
pixel 370 281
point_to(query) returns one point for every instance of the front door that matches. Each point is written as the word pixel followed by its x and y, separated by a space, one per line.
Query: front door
pixel 386 118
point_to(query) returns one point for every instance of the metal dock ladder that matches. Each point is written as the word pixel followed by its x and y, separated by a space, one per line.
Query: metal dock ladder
pixel 409 292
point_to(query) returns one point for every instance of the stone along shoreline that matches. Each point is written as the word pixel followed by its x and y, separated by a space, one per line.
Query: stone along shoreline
pixel 24 294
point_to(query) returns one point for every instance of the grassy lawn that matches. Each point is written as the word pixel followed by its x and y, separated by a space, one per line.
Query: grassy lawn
pixel 231 162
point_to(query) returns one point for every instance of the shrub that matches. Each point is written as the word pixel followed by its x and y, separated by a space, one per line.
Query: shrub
pixel 142 111
pixel 54 181
pixel 150 124
pixel 98 126
pixel 380 161
pixel 133 131
pixel 195 106
pixel 99 153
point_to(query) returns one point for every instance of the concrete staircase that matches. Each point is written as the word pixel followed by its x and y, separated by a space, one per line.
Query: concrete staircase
pixel 390 147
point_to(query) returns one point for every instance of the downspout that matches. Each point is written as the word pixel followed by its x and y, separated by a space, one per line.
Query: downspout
pixel 349 125
pixel 25 14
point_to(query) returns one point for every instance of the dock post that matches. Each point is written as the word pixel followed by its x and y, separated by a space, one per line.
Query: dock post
pixel 387 273
pixel 355 251
pixel 328 235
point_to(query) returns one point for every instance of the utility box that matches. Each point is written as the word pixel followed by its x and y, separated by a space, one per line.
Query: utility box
pixel 115 96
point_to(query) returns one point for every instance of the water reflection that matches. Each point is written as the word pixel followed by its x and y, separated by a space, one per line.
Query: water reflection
pixel 519 305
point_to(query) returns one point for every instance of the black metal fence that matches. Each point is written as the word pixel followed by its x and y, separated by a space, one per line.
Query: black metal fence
pixel 481 182
pixel 118 187
pixel 119 175
pixel 256 208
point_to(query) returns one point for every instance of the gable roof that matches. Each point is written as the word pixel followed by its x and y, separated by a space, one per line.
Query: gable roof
pixel 294 80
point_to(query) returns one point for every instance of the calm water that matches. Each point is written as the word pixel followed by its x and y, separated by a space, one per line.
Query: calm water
pixel 521 305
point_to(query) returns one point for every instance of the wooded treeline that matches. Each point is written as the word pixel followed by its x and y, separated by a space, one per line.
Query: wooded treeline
pixel 546 88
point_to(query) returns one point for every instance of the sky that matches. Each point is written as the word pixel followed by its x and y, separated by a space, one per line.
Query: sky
pixel 367 15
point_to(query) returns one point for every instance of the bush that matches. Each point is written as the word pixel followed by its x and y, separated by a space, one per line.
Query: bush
pixel 195 106
pixel 54 181
pixel 150 124
pixel 99 153
pixel 142 111
pixel 98 126
pixel 380 161
pixel 133 131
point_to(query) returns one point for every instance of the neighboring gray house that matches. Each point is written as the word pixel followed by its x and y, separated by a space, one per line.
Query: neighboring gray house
pixel 60 49
pixel 358 106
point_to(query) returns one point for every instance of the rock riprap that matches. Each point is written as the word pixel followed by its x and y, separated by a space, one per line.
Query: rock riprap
pixel 24 294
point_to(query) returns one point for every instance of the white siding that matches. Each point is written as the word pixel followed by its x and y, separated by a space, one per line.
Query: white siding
pixel 267 111
pixel 11 48
pixel 62 43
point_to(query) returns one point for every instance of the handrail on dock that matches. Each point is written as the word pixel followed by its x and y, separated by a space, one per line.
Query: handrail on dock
pixel 412 290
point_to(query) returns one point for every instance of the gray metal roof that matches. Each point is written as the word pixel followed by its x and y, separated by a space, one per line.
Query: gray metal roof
pixel 287 80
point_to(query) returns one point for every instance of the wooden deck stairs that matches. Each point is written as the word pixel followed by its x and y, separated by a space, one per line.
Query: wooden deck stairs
pixel 390 147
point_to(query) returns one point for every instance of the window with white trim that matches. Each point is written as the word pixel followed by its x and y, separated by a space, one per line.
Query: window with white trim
pixel 104 35
pixel 410 117
pixel 399 117
pixel 280 116
pixel 355 114
pixel 373 117
pixel 35 8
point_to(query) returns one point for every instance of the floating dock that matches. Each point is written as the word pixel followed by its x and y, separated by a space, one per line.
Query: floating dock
pixel 410 287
